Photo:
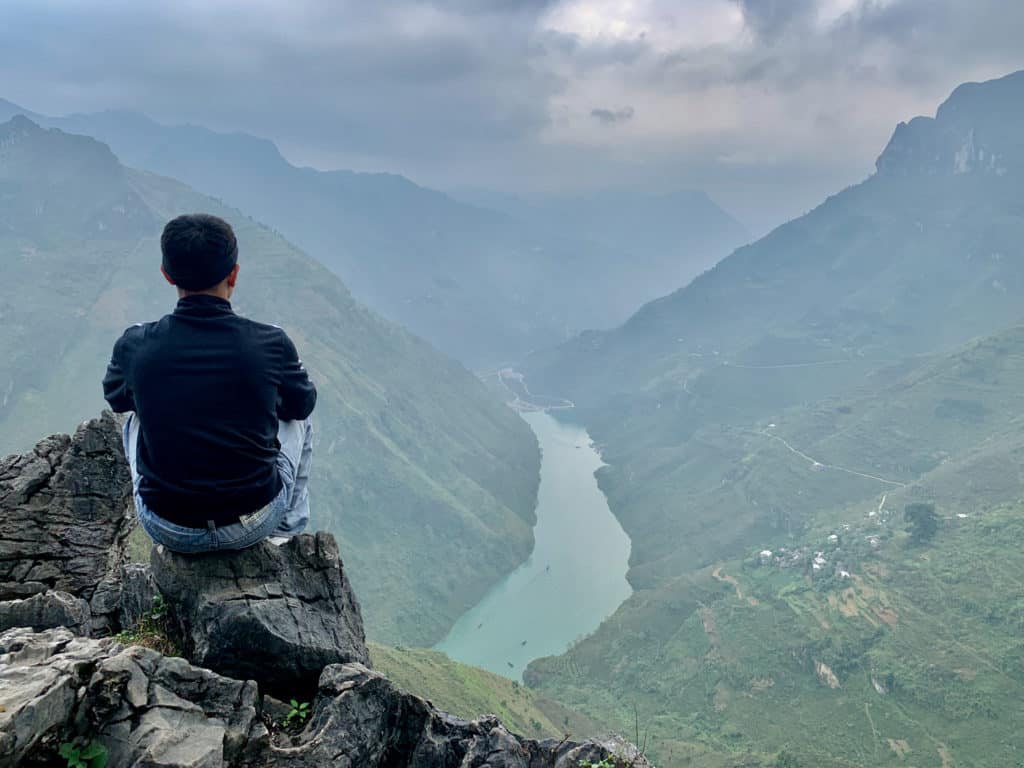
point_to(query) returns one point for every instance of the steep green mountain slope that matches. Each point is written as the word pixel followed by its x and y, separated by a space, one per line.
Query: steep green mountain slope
pixel 480 285
pixel 924 639
pixel 918 258
pixel 667 239
pixel 925 253
pixel 426 479
pixel 814 380
pixel 468 692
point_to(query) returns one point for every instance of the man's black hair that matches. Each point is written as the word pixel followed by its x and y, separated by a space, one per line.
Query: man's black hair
pixel 199 251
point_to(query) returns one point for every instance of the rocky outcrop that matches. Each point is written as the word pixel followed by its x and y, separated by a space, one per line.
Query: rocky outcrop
pixel 976 131
pixel 141 707
pixel 122 598
pixel 145 709
pixel 361 719
pixel 46 610
pixel 65 515
pixel 268 621
pixel 277 615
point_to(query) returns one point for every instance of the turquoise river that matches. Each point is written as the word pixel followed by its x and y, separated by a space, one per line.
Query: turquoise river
pixel 575 577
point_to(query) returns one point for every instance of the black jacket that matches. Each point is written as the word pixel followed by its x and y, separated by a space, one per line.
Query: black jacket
pixel 208 387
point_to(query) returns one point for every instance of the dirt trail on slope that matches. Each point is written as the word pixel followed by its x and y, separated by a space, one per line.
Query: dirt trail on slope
pixel 719 576
pixel 819 465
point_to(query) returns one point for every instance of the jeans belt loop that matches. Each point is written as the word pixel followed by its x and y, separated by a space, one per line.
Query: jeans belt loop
pixel 210 526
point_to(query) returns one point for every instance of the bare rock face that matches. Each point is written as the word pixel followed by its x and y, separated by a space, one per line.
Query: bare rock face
pixel 46 610
pixel 274 620
pixel 361 719
pixel 277 615
pixel 142 707
pixel 122 598
pixel 65 514
pixel 146 709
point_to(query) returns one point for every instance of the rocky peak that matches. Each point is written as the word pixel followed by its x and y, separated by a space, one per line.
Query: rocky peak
pixel 18 127
pixel 55 181
pixel 66 510
pixel 276 615
pixel 978 130
pixel 270 620
pixel 22 139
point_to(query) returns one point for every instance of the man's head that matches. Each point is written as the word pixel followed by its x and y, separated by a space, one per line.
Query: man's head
pixel 200 255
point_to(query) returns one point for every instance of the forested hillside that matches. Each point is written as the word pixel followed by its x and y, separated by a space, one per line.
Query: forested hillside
pixel 428 482
pixel 914 260
pixel 844 633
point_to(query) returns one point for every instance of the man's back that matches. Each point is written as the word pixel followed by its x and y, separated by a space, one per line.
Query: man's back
pixel 209 388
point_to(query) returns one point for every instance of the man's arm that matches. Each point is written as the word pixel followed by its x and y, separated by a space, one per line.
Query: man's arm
pixel 296 397
pixel 115 387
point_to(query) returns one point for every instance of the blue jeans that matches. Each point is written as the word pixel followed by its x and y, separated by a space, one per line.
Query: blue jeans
pixel 287 515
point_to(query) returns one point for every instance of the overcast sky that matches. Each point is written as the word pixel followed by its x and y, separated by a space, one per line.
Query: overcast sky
pixel 767 104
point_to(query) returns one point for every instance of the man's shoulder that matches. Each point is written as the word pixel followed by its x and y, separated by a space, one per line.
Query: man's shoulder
pixel 137 331
pixel 264 330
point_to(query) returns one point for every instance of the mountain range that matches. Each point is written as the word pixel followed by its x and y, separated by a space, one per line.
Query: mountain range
pixel 484 286
pixel 788 405
pixel 914 260
pixel 765 427
pixel 428 481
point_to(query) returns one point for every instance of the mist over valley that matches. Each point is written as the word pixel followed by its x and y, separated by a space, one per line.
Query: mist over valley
pixel 669 357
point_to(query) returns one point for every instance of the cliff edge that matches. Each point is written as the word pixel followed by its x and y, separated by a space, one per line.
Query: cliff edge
pixel 269 622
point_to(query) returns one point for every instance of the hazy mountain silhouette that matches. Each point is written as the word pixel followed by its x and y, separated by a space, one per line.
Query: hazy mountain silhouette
pixel 481 285
pixel 428 481
pixel 919 256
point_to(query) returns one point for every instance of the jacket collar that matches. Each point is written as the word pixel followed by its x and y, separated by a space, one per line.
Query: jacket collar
pixel 203 304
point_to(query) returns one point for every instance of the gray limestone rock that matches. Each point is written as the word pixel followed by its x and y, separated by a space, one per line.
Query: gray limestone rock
pixel 65 511
pixel 144 708
pixel 40 676
pixel 277 615
pixel 150 710
pixel 285 617
pixel 361 719
pixel 47 610
pixel 122 599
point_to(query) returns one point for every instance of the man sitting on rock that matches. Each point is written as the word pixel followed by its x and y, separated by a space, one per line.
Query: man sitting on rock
pixel 218 439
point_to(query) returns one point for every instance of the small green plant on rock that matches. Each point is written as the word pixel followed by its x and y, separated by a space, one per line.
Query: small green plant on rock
pixel 91 755
pixel 298 714
pixel 158 612
pixel 151 630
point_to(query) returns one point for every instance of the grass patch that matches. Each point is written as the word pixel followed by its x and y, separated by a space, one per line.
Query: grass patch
pixel 469 692
pixel 151 631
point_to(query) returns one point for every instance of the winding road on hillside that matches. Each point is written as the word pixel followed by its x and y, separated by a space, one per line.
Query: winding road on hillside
pixel 822 465
pixel 520 404
pixel 812 364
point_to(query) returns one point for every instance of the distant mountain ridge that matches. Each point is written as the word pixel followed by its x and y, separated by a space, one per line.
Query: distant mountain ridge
pixel 428 481
pixel 860 358
pixel 900 265
pixel 917 257
pixel 670 237
pixel 481 285
pixel 972 132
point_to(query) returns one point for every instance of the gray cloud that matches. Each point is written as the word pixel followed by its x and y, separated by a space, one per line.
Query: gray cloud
pixel 771 18
pixel 610 116
pixel 764 102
